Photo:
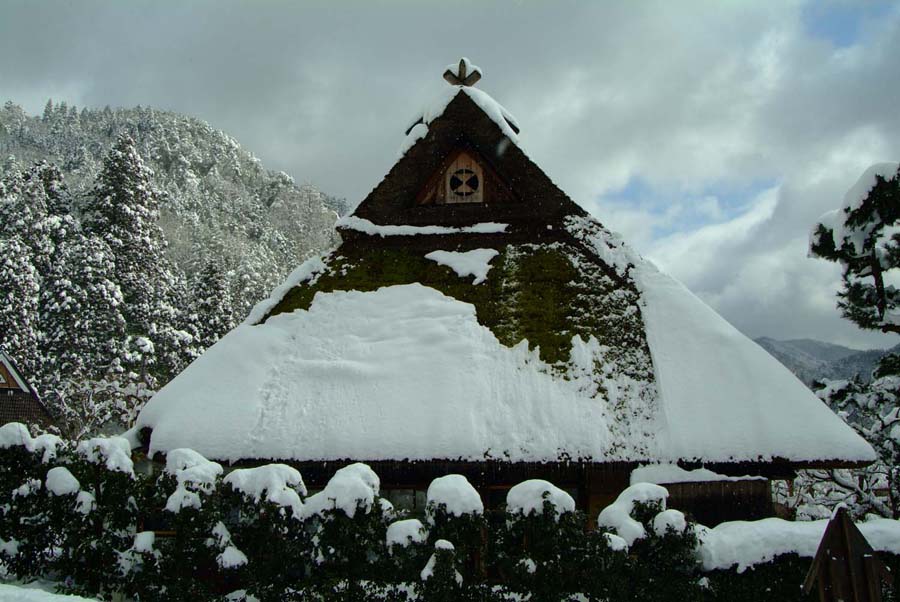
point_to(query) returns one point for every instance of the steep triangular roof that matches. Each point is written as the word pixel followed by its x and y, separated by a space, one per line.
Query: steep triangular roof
pixel 10 377
pixel 460 123
pixel 19 402
pixel 517 331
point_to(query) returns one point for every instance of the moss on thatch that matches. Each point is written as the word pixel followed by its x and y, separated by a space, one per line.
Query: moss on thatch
pixel 544 294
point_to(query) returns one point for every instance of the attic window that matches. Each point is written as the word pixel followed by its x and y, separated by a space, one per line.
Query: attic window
pixel 464 181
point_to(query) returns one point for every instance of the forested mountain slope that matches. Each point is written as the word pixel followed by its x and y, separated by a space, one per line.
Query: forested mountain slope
pixel 130 240
pixel 811 360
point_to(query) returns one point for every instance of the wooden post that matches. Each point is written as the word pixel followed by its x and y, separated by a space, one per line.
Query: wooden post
pixel 846 567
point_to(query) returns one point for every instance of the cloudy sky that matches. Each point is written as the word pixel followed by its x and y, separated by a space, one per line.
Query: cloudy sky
pixel 711 134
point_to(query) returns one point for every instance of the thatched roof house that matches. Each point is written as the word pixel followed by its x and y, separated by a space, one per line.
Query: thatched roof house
pixel 476 320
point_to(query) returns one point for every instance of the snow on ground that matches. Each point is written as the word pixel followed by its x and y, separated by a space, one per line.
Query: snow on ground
pixel 663 474
pixel 476 262
pixel 529 496
pixel 16 593
pixel 401 372
pixel 351 222
pixel 722 396
pixel 747 543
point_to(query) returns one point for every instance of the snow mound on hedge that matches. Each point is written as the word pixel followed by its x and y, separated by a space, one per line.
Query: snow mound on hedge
pixel 112 452
pixel 14 434
pixel 277 483
pixel 62 482
pixel 400 372
pixel 529 496
pixel 456 494
pixel 405 532
pixel 618 514
pixel 747 543
pixel 352 488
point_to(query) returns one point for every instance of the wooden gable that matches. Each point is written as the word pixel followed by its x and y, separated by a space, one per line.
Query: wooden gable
pixel 465 177
pixel 10 379
pixel 18 400
pixel 415 191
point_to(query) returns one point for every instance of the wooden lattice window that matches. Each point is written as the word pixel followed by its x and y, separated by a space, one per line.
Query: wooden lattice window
pixel 464 181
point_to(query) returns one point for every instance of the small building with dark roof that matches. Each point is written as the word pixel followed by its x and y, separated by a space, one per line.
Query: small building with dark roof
pixel 19 402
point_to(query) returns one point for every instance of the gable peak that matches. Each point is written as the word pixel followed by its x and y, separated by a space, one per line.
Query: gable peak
pixel 463 74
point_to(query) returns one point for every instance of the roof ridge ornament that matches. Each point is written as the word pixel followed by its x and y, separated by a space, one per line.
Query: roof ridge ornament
pixel 464 74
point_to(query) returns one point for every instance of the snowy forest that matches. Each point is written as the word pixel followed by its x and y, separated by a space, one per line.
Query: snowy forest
pixel 130 241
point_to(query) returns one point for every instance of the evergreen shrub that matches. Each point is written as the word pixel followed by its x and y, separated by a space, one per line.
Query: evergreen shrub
pixel 79 515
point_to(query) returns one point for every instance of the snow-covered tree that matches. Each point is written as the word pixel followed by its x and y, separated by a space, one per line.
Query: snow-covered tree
pixel 123 210
pixel 863 236
pixel 873 409
pixel 19 290
pixel 195 242
pixel 212 306
pixel 84 338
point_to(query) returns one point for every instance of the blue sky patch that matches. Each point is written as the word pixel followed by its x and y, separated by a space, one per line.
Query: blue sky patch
pixel 841 22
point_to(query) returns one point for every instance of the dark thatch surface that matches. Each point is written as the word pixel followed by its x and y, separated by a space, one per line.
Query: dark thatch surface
pixel 463 125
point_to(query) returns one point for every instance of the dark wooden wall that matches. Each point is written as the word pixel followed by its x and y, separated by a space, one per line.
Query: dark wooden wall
pixel 715 502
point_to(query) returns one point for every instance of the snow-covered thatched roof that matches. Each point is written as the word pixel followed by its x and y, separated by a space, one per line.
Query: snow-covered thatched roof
pixel 522 331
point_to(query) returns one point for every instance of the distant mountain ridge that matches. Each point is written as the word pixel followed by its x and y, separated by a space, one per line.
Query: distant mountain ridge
pixel 812 360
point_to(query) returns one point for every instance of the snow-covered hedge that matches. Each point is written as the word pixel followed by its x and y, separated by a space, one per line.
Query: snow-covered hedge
pixel 80 515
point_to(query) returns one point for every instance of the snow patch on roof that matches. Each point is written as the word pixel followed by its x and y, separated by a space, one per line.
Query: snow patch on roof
pixel 400 372
pixel 306 271
pixel 475 263
pixel 419 131
pixel 493 109
pixel 17 593
pixel 351 222
pixel 663 474
pixel 724 398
